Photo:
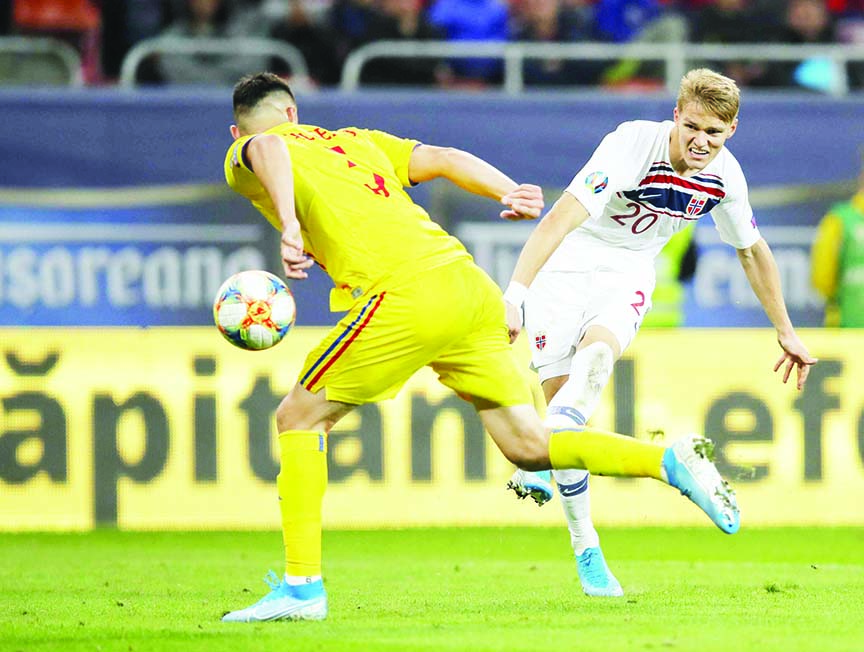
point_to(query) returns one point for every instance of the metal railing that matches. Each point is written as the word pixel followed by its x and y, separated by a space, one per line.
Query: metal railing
pixel 228 47
pixel 65 54
pixel 676 57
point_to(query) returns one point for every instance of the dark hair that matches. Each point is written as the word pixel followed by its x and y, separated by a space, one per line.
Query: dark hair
pixel 251 89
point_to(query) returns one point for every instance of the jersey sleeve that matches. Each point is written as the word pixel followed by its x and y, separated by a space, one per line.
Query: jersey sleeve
pixel 733 216
pixel 612 167
pixel 238 175
pixel 398 151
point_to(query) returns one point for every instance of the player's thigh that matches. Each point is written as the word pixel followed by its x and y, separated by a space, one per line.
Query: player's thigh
pixel 619 304
pixel 555 313
pixel 479 363
pixel 374 349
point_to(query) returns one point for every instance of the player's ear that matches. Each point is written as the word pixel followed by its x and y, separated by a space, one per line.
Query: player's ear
pixel 675 113
pixel 235 132
pixel 732 128
pixel 291 114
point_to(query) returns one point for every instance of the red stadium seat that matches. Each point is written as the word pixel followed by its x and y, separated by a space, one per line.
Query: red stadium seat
pixel 76 21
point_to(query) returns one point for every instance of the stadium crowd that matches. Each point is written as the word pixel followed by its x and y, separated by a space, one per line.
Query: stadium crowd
pixel 326 31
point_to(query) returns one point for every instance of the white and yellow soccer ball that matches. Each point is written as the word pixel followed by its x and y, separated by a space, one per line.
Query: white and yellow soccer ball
pixel 254 310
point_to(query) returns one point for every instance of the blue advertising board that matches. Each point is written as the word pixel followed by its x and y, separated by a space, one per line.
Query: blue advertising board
pixel 115 210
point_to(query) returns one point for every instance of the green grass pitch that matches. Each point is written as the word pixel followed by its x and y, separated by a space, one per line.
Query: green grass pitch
pixel 508 589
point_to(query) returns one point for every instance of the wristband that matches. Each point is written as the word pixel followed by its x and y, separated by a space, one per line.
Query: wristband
pixel 515 294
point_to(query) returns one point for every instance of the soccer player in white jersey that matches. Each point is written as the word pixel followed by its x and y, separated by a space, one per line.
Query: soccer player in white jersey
pixel 586 274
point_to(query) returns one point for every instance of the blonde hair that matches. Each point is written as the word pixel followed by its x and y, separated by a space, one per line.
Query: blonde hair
pixel 714 92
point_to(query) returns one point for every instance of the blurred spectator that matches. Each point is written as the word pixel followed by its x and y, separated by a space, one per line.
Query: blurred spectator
pixel 125 24
pixel 211 19
pixel 5 17
pixel 355 22
pixel 316 42
pixel 550 21
pixel 731 22
pixel 472 20
pixel 804 22
pixel 404 19
pixel 620 21
pixel 642 21
pixel 837 261
pixel 728 21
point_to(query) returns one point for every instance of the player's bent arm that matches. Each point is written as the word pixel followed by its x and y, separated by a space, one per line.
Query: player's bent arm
pixel 463 169
pixel 268 157
pixel 764 277
pixel 565 215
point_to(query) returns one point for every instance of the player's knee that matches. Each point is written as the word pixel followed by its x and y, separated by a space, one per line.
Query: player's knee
pixel 303 410
pixel 599 360
pixel 529 452
pixel 295 413
pixel 290 416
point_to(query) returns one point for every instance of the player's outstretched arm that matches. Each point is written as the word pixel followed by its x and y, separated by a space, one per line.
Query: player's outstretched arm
pixel 523 201
pixel 269 158
pixel 761 270
pixel 565 215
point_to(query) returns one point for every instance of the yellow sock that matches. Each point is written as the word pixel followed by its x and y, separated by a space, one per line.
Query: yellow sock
pixel 301 483
pixel 605 453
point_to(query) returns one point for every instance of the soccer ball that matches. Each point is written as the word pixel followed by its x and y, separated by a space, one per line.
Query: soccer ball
pixel 254 310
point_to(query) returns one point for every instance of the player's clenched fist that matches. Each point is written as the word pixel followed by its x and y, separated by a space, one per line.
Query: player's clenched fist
pixel 524 203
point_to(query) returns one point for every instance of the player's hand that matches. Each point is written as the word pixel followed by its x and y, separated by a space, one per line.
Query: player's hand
pixel 523 203
pixel 294 261
pixel 794 355
pixel 514 320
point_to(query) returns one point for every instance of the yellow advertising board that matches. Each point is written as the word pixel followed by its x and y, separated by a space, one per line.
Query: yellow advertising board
pixel 173 428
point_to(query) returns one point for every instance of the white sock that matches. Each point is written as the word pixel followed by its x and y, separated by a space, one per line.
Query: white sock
pixel 572 406
pixel 589 372
pixel 576 501
pixel 297 580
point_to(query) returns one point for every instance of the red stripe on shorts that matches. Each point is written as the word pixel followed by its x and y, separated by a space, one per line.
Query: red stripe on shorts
pixel 347 343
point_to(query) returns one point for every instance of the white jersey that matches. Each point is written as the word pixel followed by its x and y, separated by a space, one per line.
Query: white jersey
pixel 637 201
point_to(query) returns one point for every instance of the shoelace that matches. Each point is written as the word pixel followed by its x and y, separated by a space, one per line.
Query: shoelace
pixel 593 567
pixel 272 580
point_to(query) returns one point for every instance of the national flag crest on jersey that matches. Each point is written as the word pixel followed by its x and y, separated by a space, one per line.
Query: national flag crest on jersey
pixel 540 340
pixel 696 204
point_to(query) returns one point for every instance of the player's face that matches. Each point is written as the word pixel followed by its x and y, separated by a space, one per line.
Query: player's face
pixel 698 137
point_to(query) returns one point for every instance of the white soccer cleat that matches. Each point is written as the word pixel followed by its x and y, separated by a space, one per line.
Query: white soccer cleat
pixel 596 578
pixel 689 469
pixel 536 484
pixel 284 602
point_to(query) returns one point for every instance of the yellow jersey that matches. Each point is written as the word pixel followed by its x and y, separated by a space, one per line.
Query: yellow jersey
pixel 356 219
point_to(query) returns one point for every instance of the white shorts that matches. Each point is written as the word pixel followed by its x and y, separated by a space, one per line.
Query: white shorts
pixel 561 306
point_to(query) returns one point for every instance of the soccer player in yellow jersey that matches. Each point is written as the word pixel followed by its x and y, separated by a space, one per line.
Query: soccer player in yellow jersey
pixel 414 298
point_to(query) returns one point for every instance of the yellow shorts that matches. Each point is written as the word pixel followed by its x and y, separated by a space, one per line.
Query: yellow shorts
pixel 450 318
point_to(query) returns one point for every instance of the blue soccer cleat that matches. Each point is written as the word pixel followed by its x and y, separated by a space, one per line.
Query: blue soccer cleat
pixel 537 484
pixel 596 578
pixel 284 602
pixel 689 469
